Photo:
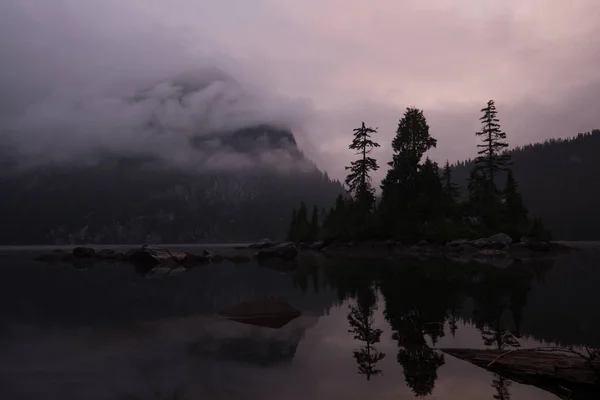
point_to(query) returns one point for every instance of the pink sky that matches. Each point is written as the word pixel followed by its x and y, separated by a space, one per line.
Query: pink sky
pixel 347 61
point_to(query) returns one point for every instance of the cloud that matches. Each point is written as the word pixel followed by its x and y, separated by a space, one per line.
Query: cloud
pixel 67 63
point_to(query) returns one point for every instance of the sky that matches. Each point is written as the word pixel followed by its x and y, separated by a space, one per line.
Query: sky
pixel 322 66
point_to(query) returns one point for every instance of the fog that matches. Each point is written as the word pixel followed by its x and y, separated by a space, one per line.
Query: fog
pixel 70 69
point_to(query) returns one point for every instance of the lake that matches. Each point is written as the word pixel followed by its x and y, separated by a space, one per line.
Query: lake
pixel 368 330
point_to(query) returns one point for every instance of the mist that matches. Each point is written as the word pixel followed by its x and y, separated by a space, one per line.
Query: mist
pixel 72 95
pixel 70 69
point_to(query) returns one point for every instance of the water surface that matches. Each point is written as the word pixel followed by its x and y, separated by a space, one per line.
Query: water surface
pixel 368 329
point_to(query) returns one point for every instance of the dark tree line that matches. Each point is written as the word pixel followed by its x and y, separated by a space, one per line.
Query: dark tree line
pixel 560 183
pixel 420 200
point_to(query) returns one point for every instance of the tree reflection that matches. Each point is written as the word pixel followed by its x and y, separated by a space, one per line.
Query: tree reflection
pixel 501 385
pixel 421 298
pixel 419 361
pixel 416 308
pixel 361 321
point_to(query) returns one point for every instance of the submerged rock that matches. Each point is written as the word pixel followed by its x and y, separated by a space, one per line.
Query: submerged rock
pixel 270 312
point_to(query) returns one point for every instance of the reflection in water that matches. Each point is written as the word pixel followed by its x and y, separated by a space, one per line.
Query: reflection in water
pixel 420 307
pixel 360 319
pixel 501 385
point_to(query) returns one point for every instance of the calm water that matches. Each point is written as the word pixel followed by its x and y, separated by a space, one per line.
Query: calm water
pixel 368 330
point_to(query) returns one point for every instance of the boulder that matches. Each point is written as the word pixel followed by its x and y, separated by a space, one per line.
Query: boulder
pixel 270 312
pixel 317 245
pixel 150 257
pixel 286 251
pixel 458 242
pixel 500 239
pixel 422 243
pixel 497 241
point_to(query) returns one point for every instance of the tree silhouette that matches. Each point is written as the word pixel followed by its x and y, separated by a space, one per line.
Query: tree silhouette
pixel 451 189
pixel 359 179
pixel 360 319
pixel 491 157
pixel 399 187
pixel 501 385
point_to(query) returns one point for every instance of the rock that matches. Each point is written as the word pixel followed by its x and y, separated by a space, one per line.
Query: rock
pixel 141 257
pixel 271 312
pixel 286 251
pixel 422 243
pixel 500 239
pixel 319 245
pixel 83 252
pixel 457 243
pixel 497 241
pixel 148 257
pixel 262 244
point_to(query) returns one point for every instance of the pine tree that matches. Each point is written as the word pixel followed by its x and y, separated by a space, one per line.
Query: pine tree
pixel 359 179
pixel 314 224
pixel 516 212
pixel 302 226
pixel 430 192
pixel 291 235
pixel 491 156
pixel 451 189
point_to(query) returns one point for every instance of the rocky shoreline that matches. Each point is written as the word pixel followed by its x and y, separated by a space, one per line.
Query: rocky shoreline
pixel 498 249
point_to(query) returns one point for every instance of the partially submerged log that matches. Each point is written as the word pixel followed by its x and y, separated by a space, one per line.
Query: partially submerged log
pixel 557 370
pixel 269 312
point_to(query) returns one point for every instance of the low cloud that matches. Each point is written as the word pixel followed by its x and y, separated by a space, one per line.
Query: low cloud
pixel 70 69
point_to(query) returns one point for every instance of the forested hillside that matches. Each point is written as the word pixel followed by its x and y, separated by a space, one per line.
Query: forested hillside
pixel 560 182
pixel 138 200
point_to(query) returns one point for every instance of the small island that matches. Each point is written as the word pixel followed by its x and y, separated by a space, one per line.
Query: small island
pixel 420 208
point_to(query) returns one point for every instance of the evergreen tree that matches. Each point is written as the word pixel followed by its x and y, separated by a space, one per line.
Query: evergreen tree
pixel 450 188
pixel 491 156
pixel 429 204
pixel 516 212
pixel 399 187
pixel 359 179
pixel 476 187
pixel 314 224
pixel 302 227
pixel 291 235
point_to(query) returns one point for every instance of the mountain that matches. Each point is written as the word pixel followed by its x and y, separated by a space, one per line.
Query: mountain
pixel 200 182
pixel 560 182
